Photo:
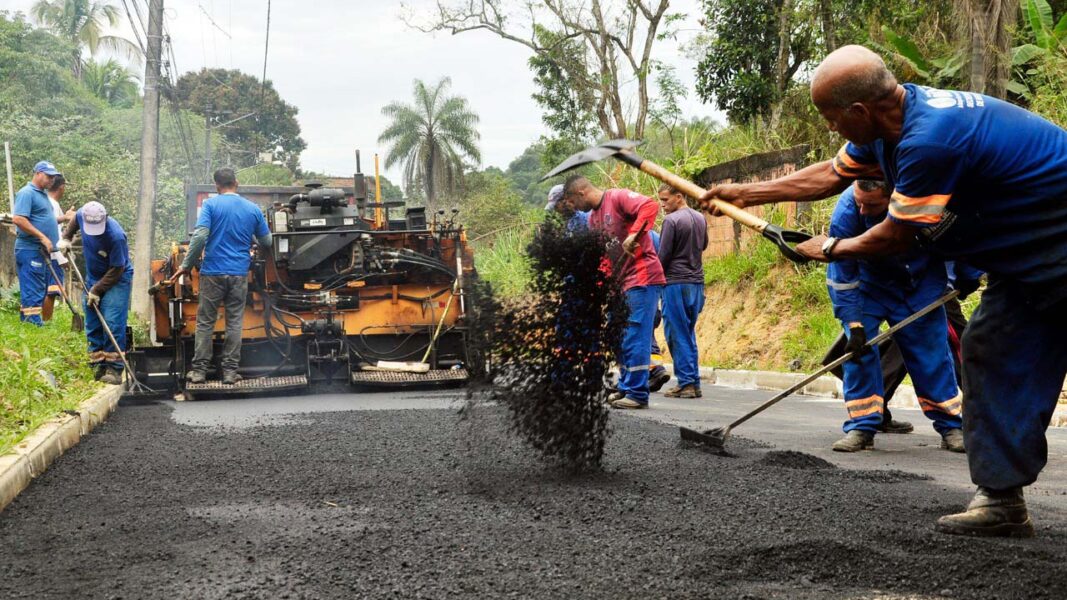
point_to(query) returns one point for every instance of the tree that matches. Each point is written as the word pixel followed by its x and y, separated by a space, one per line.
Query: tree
pixel 83 22
pixel 111 82
pixel 616 39
pixel 225 95
pixel 431 138
pixel 756 49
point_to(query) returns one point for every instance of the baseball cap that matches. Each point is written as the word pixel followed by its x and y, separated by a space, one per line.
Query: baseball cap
pixel 45 167
pixel 94 218
pixel 554 196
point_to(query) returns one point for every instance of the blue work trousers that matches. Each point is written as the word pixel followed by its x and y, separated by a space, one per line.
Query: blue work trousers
pixel 682 303
pixel 114 305
pixel 924 346
pixel 33 283
pixel 1014 363
pixel 637 342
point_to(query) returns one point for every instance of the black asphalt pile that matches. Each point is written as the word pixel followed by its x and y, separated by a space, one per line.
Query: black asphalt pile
pixel 549 351
pixel 792 459
pixel 378 504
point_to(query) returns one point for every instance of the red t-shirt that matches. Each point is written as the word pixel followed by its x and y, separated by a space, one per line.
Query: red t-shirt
pixel 621 213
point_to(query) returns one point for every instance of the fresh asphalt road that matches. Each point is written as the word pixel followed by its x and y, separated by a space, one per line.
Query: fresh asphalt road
pixel 370 495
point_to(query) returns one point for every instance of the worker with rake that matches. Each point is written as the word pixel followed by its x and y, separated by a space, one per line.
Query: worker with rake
pixel 109 277
pixel 975 178
pixel 866 293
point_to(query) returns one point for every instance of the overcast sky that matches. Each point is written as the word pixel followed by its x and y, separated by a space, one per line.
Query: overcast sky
pixel 340 61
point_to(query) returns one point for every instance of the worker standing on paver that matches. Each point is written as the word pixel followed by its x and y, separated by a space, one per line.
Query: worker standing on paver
pixel 867 293
pixel 37 235
pixel 55 196
pixel 683 239
pixel 225 230
pixel 109 278
pixel 624 215
pixel 976 178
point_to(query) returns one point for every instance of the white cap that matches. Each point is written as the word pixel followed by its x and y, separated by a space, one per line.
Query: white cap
pixel 94 218
pixel 554 196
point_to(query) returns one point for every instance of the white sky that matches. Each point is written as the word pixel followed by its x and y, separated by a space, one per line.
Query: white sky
pixel 340 61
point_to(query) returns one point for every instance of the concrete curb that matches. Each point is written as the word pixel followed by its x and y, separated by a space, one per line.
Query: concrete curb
pixel 30 457
pixel 826 386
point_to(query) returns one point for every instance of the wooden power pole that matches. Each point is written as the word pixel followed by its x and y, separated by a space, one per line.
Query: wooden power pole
pixel 142 258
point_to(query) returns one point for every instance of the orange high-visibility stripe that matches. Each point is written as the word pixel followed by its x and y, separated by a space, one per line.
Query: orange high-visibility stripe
pixel 847 166
pixel 30 310
pixel 952 406
pixel 931 200
pixel 862 407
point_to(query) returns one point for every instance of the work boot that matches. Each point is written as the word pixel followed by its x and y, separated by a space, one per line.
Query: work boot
pixel 992 513
pixel 614 395
pixel 112 377
pixel 231 377
pixel 894 426
pixel 196 377
pixel 658 379
pixel 854 441
pixel 685 391
pixel 952 440
pixel 98 371
pixel 628 403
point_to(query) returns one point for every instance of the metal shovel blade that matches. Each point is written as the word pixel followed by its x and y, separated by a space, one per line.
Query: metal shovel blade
pixel 713 439
pixel 785 239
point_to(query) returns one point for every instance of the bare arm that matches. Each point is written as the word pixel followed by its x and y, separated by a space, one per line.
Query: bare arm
pixel 811 183
pixel 884 239
pixel 24 224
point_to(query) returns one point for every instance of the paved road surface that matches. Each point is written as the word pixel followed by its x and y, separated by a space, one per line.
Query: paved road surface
pixel 373 495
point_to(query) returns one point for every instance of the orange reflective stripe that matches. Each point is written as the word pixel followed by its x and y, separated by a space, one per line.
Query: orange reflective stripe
pixel 862 407
pixel 952 406
pixel 924 219
pixel 931 200
pixel 30 310
pixel 846 166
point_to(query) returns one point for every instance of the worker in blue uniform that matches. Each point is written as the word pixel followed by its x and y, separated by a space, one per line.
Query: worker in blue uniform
pixel 975 178
pixel 866 293
pixel 109 277
pixel 37 234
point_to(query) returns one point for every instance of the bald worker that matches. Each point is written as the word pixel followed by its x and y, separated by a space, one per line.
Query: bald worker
pixel 976 178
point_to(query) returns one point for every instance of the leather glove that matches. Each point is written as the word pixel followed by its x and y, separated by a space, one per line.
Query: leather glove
pixel 966 287
pixel 857 341
pixel 63 245
pixel 92 299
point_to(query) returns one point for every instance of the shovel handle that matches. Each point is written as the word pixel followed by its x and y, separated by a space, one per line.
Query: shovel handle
pixel 695 191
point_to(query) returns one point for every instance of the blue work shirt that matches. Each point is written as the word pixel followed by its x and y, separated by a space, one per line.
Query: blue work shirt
pixel 32 202
pixel 104 251
pixel 985 179
pixel 234 222
pixel 579 221
pixel 913 280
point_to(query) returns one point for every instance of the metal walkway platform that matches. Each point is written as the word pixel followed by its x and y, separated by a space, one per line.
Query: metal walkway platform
pixel 396 378
pixel 248 386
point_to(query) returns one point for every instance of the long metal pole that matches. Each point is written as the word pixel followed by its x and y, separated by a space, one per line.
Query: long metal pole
pixel 10 177
pixel 378 208
pixel 142 258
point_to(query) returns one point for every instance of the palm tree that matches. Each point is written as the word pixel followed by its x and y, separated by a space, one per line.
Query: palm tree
pixel 431 138
pixel 82 23
pixel 111 82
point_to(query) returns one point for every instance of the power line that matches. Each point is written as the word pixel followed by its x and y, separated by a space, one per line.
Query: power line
pixel 133 27
pixel 266 48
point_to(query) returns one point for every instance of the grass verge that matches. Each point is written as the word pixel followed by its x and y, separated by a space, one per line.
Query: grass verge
pixel 27 397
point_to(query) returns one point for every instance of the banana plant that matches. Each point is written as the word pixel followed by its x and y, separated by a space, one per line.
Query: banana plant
pixel 935 72
pixel 1047 38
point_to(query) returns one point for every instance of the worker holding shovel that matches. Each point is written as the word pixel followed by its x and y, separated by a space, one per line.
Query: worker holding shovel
pixel 109 277
pixel 977 179
pixel 626 215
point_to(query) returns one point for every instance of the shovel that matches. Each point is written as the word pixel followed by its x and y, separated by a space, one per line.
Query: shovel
pixel 715 439
pixel 623 150
pixel 135 386
pixel 77 321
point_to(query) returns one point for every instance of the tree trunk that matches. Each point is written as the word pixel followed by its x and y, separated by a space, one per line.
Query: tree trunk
pixel 979 21
pixel 826 18
pixel 781 67
pixel 1009 10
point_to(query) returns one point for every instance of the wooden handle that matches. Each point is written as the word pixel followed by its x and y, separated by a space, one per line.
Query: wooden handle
pixel 694 191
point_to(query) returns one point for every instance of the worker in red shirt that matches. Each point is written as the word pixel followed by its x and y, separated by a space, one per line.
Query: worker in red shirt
pixel 626 216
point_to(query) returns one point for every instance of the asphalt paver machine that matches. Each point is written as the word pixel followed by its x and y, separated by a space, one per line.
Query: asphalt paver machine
pixel 350 285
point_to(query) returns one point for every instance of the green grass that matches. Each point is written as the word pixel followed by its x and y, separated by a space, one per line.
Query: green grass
pixel 26 397
pixel 501 260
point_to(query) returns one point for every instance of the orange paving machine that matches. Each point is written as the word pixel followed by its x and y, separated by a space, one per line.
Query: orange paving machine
pixel 351 293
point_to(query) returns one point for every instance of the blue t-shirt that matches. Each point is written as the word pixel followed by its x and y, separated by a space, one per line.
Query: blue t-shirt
pixel 32 202
pixel 912 280
pixel 579 221
pixel 234 222
pixel 987 181
pixel 109 249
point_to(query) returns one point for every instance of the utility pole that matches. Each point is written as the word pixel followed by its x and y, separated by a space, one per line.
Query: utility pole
pixel 142 258
pixel 207 144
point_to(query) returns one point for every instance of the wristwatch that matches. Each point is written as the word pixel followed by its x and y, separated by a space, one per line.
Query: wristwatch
pixel 828 246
